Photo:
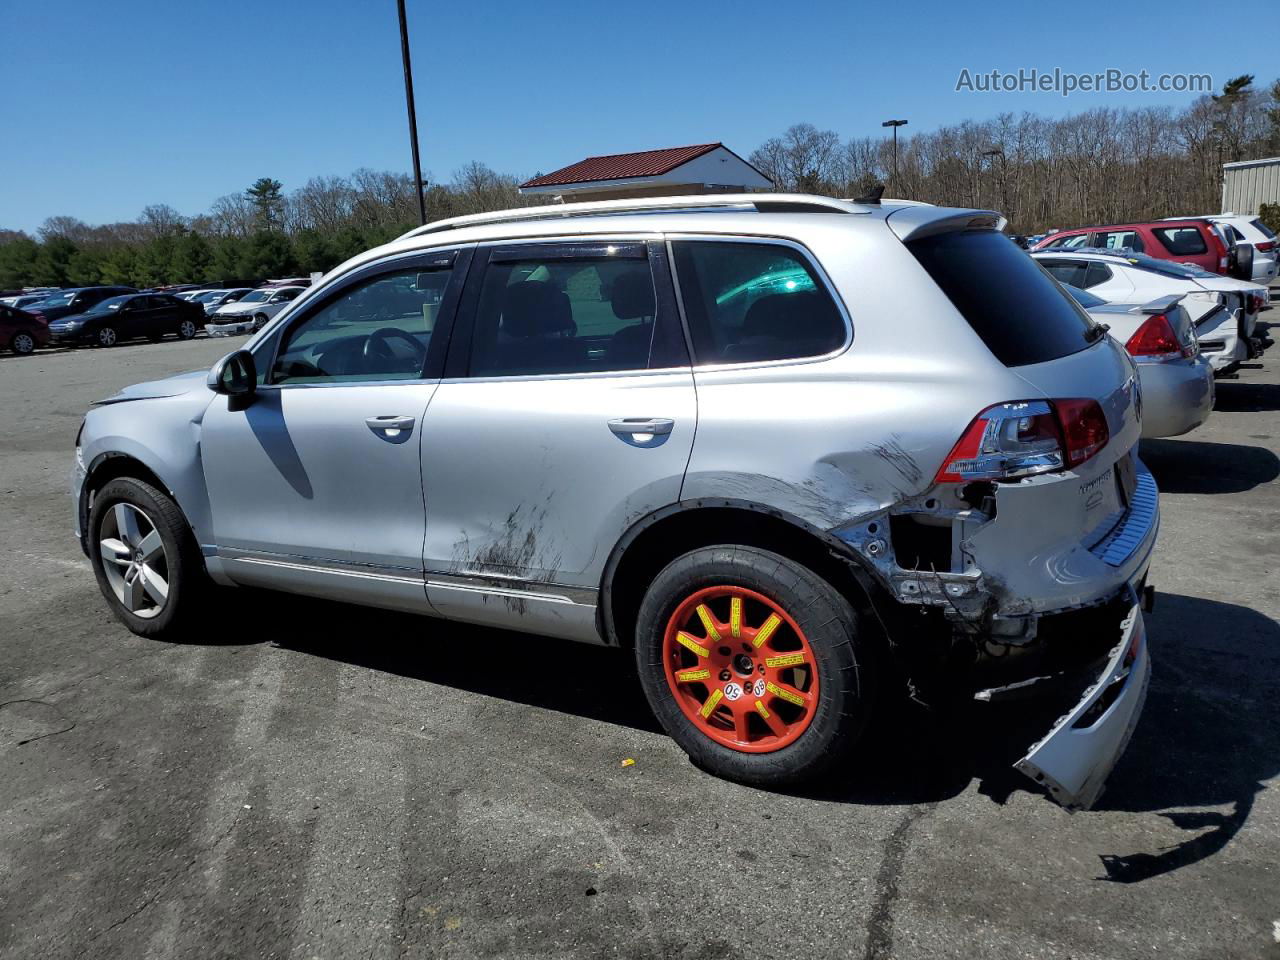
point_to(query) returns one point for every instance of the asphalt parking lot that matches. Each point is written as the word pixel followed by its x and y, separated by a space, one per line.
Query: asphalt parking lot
pixel 311 780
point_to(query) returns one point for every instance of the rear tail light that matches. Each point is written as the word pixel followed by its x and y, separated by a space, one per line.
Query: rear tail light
pixel 1011 440
pixel 1254 303
pixel 1222 264
pixel 1156 341
pixel 1265 247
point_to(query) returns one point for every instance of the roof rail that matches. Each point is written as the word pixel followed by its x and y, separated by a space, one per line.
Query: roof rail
pixel 759 202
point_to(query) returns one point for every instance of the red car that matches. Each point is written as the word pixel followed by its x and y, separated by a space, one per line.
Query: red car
pixel 20 331
pixel 1186 241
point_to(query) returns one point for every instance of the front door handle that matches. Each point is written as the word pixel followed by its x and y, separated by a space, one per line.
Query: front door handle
pixel 642 431
pixel 393 428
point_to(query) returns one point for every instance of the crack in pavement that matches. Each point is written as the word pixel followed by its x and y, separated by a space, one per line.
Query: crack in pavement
pixel 164 887
pixel 880 922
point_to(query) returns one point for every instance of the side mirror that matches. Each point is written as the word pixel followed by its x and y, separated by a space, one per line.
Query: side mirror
pixel 235 376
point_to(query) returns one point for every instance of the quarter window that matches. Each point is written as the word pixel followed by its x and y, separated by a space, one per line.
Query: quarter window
pixel 749 302
pixel 550 315
pixel 377 330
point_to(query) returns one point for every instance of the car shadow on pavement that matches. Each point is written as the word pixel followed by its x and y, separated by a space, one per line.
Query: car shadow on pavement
pixel 1195 466
pixel 1208 739
pixel 1235 397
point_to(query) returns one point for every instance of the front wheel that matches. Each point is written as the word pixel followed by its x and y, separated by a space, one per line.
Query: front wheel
pixel 187 329
pixel 145 558
pixel 259 321
pixel 754 665
pixel 107 337
pixel 23 344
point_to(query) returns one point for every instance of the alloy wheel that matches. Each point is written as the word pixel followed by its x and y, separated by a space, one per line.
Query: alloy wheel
pixel 134 560
pixel 740 669
pixel 23 343
pixel 187 329
pixel 107 336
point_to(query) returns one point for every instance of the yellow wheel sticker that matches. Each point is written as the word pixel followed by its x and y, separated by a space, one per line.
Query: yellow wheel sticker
pixel 689 676
pixel 712 701
pixel 786 695
pixel 766 630
pixel 762 710
pixel 786 660
pixel 687 641
pixel 712 633
pixel 735 616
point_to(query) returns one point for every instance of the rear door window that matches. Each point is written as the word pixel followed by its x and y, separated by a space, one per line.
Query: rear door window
pixel 1120 240
pixel 1009 300
pixel 1068 272
pixel 1181 241
pixel 1095 274
pixel 749 302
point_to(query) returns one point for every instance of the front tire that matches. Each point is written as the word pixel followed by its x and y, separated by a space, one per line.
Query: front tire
pixel 107 337
pixel 259 321
pixel 22 344
pixel 187 329
pixel 145 559
pixel 754 665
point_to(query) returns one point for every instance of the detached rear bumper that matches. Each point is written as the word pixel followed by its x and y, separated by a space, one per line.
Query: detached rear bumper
pixel 232 329
pixel 1076 756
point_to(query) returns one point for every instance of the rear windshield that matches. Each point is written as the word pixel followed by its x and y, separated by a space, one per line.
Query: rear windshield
pixel 1021 313
pixel 1266 231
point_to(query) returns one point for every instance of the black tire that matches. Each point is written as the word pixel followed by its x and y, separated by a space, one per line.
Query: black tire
pixel 187 333
pixel 844 653
pixel 22 343
pixel 106 337
pixel 259 321
pixel 188 584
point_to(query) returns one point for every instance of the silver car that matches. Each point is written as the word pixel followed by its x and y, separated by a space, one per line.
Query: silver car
pixel 1177 381
pixel 787 450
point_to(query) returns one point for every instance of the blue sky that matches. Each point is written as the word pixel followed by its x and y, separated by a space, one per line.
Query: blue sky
pixel 107 107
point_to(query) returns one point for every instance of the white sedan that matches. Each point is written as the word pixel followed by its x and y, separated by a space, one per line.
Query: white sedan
pixel 1225 311
pixel 251 312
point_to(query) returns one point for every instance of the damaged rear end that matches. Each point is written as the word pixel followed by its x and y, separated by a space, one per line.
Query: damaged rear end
pixel 1033 542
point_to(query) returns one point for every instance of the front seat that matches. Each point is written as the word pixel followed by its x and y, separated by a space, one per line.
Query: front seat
pixel 537 332
pixel 631 296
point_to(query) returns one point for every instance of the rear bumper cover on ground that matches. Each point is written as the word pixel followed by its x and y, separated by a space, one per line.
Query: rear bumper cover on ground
pixel 1177 396
pixel 1074 759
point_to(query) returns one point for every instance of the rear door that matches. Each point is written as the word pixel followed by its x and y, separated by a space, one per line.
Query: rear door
pixel 566 414
pixel 1187 243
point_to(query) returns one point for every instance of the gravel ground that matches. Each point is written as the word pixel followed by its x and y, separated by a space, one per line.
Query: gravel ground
pixel 325 781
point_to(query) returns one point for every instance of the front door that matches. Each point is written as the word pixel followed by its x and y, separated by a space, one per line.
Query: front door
pixel 316 486
pixel 566 414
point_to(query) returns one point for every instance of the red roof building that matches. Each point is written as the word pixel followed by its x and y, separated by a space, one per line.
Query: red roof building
pixel 671 171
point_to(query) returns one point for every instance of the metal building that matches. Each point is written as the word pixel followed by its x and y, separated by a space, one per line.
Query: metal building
pixel 1248 184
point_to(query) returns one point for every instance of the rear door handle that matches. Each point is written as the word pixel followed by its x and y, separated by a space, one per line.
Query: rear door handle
pixel 642 431
pixel 391 427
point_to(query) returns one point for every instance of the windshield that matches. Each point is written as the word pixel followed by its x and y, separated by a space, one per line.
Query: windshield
pixel 1083 297
pixel 258 296
pixel 109 305
pixel 207 296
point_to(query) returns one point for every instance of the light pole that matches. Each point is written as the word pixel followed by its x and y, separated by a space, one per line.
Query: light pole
pixel 895 124
pixel 993 153
pixel 413 116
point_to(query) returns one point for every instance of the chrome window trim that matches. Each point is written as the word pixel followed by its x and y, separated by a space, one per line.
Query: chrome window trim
pixel 757 240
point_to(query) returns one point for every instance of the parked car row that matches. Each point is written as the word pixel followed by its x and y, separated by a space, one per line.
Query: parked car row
pixel 107 315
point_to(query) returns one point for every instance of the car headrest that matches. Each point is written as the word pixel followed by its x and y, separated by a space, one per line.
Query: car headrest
pixel 793 316
pixel 631 294
pixel 534 308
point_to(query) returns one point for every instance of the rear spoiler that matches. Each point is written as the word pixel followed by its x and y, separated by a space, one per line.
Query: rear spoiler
pixel 912 223
pixel 1160 304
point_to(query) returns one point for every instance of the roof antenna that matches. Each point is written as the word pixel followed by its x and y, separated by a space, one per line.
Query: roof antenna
pixel 872 196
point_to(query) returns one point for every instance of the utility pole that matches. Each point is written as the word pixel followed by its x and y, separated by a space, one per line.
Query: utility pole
pixel 895 124
pixel 413 116
pixel 993 153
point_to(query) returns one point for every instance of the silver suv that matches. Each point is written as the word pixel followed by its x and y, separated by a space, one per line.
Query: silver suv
pixel 796 453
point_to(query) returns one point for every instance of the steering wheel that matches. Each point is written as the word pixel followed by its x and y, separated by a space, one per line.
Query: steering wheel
pixel 376 346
